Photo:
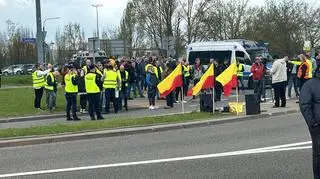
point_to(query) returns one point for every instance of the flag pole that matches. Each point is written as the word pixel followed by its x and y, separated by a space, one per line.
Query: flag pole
pixel 182 96
pixel 213 93
pixel 237 96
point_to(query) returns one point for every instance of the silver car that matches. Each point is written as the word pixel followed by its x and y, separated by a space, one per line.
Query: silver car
pixel 8 70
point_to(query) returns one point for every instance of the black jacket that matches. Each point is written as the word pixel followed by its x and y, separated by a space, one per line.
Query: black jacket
pixel 132 74
pixel 310 102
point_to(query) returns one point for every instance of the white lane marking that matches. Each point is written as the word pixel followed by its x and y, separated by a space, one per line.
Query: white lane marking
pixel 224 154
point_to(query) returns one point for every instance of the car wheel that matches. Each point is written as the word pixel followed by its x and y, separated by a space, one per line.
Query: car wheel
pixel 5 73
pixel 18 73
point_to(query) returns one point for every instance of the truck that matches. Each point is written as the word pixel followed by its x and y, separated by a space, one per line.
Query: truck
pixel 97 56
pixel 243 50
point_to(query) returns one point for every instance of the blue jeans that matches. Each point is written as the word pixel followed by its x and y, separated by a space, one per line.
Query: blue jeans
pixel 71 99
pixel 110 96
pixel 50 99
pixel 123 96
pixel 139 87
pixel 293 80
pixel 257 85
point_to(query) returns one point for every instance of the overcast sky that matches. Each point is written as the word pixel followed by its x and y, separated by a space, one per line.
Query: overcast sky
pixel 23 12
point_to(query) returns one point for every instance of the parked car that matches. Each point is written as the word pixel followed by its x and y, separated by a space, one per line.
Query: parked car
pixel 19 70
pixel 9 70
pixel 29 68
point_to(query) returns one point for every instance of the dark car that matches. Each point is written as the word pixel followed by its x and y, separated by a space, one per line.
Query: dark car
pixel 29 68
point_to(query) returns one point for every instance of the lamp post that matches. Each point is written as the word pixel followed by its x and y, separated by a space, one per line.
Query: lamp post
pixel 97 14
pixel 44 35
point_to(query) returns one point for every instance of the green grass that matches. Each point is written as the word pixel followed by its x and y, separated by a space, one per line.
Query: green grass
pixel 105 124
pixel 16 80
pixel 19 102
pixel 19 80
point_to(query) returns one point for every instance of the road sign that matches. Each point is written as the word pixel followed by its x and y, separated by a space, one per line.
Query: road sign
pixel 29 40
pixel 93 44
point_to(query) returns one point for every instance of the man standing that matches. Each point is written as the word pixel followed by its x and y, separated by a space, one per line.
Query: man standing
pixel 93 85
pixel 279 79
pixel 258 70
pixel 292 79
pixel 111 83
pixel 124 85
pixel 171 65
pixel 51 89
pixel 187 76
pixel 197 72
pixel 310 109
pixel 39 81
pixel 304 70
pixel 71 89
pixel 140 75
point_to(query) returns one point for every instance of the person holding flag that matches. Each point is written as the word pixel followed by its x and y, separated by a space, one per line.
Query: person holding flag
pixel 228 78
pixel 171 82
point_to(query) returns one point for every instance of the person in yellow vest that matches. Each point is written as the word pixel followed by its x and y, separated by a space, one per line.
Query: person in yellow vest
pixel 111 84
pixel 187 76
pixel 39 81
pixel 51 89
pixel 304 70
pixel 86 67
pixel 308 61
pixel 124 75
pixel 152 63
pixel 240 67
pixel 71 89
pixel 93 84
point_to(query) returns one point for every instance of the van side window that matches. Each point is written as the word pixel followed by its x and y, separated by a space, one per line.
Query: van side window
pixel 239 54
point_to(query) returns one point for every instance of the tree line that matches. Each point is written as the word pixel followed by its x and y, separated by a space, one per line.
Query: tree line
pixel 284 24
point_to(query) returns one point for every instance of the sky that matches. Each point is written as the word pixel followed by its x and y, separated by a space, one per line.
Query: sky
pixel 80 11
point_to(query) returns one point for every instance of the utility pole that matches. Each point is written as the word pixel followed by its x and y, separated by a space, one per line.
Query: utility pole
pixel 97 14
pixel 39 32
pixel 44 33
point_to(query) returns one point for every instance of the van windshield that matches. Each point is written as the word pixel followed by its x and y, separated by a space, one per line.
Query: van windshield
pixel 205 56
pixel 260 53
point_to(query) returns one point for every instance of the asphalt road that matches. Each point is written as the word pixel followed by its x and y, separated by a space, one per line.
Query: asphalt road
pixel 232 150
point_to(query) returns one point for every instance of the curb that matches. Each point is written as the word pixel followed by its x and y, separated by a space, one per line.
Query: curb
pixel 133 130
pixel 48 116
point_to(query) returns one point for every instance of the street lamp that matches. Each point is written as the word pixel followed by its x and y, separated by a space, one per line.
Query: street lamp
pixel 97 13
pixel 44 35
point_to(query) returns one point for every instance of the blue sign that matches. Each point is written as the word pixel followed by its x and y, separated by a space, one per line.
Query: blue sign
pixel 29 40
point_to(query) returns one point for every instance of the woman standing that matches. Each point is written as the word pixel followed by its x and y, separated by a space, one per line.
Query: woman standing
pixel 152 82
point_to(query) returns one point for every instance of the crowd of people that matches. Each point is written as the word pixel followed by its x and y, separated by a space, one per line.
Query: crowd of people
pixel 110 80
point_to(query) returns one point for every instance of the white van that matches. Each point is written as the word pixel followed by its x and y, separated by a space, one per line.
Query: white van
pixel 243 50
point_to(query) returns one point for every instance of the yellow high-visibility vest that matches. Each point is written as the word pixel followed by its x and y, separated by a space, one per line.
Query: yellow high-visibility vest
pixel 186 70
pixel 90 83
pixel 86 70
pixel 49 87
pixel 111 79
pixel 70 87
pixel 240 68
pixel 38 82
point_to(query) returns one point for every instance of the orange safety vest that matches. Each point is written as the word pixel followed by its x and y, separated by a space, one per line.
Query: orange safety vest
pixel 306 76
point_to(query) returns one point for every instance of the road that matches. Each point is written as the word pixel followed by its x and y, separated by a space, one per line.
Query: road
pixel 231 150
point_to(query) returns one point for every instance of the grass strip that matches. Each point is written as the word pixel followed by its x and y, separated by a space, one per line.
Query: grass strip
pixel 104 124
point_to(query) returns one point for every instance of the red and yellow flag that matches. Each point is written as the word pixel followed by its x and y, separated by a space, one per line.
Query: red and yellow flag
pixel 205 82
pixel 171 82
pixel 228 79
